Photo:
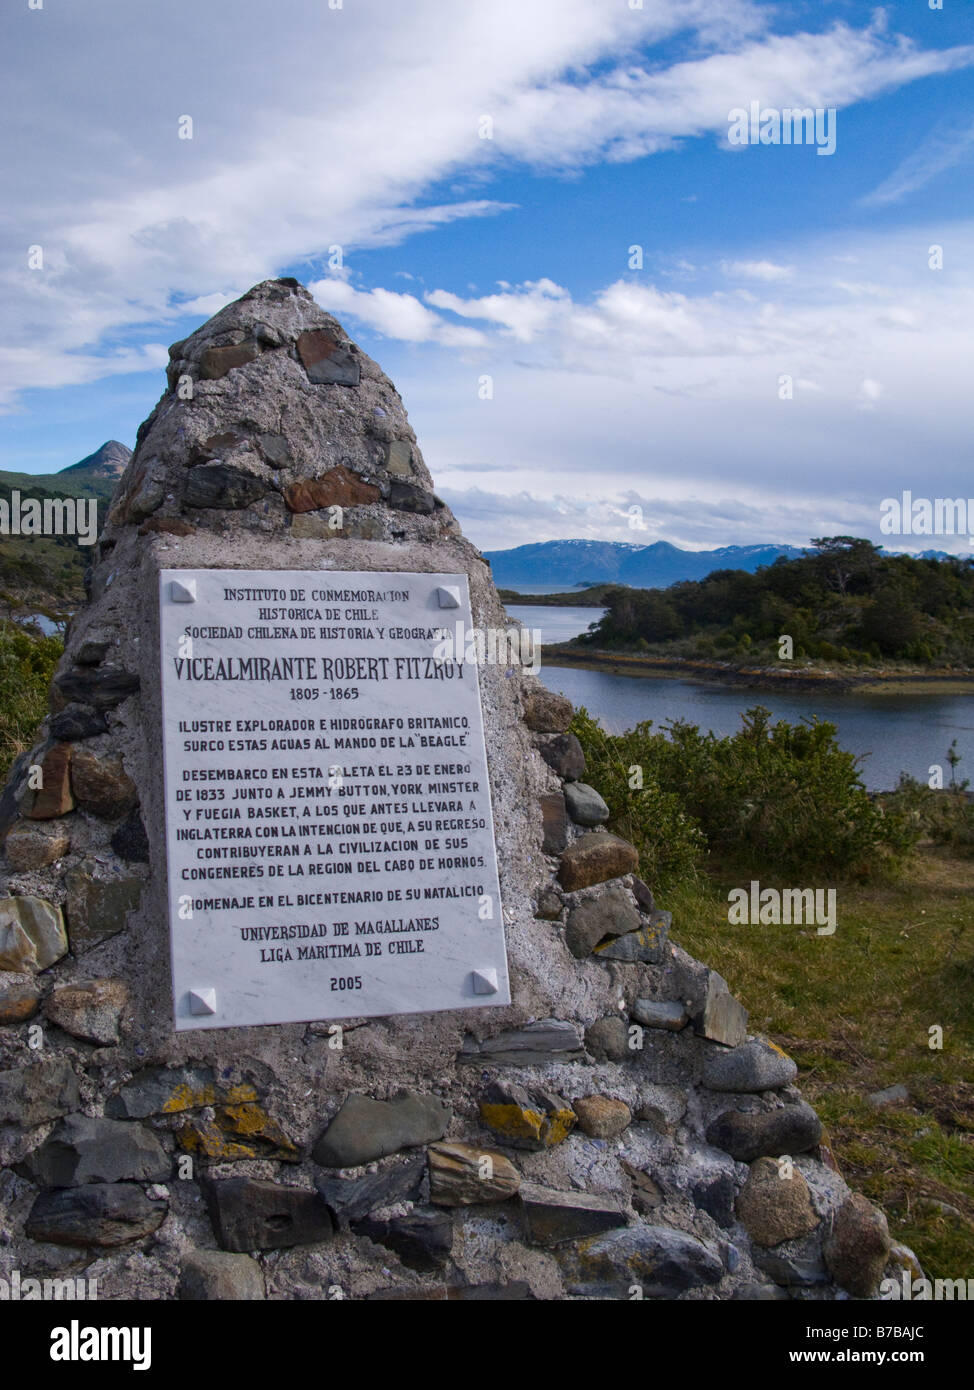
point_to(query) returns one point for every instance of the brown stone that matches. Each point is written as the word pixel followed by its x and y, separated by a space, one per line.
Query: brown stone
pixel 34 845
pixel 547 713
pixel 602 1117
pixel 549 906
pixel 339 487
pixel 237 1132
pixel 217 361
pixel 554 823
pixel 464 1175
pixel 773 1208
pixel 167 525
pixel 53 797
pixel 858 1247
pixel 325 360
pixel 32 935
pixel 595 857
pixel 19 997
pixel 316 526
pixel 101 785
pixel 91 1011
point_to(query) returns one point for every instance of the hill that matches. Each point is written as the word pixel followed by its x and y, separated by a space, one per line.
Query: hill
pixel 656 566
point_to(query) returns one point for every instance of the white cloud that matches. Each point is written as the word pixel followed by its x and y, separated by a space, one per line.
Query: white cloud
pixel 757 270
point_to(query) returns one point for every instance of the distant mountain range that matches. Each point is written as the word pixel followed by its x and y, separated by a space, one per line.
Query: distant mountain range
pixel 641 566
pixel 577 564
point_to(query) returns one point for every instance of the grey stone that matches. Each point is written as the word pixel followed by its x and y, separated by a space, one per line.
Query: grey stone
pixel 102 1214
pixel 407 497
pixel 608 1039
pixel 215 362
pixel 91 1010
pixel 219 485
pixel 101 686
pixel 91 651
pixel 554 823
pixel 98 907
pixel 327 361
pixel 274 448
pixel 893 1095
pixel 10 796
pixel 77 722
pixel 595 919
pixel 351 1199
pixel 130 842
pixel 365 1129
pixel 716 1197
pixel 399 454
pixel 550 905
pixel 215 1276
pixel 857 1248
pixel 552 1217
pixel 791 1271
pixel 643 895
pixel 662 1261
pixel 423 1240
pixel 564 755
pixel 791 1129
pixel 536 1044
pixel 163 1091
pixel 720 1017
pixel 753 1066
pixel 82 1150
pixel 526 1118
pixel 251 1214
pixel 32 935
pixel 101 785
pixel 38 1092
pixel 648 944
pixel 759 1293
pixel 654 1014
pixel 585 806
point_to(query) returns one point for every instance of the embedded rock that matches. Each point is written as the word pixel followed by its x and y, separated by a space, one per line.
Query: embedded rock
pixel 535 1119
pixel 545 712
pixel 554 823
pixel 663 1262
pixel 595 919
pixel 773 1208
pixel 754 1066
pixel 585 806
pixel 251 1214
pixel 164 1091
pixel 98 907
pixel 214 1276
pixel 20 996
pixel 601 1117
pixel 608 1039
pixel 351 1199
pixel 102 1214
pixel 77 722
pixel 338 487
pixel 35 844
pixel 653 1014
pixel 101 785
pixel 32 935
pixel 552 1217
pixel 564 755
pixel 536 1044
pixel 595 857
pixel 423 1240
pixel 791 1129
pixel 366 1129
pixel 38 1092
pixel 648 944
pixel 53 796
pixel 91 1011
pixel 464 1175
pixel 858 1247
pixel 83 1150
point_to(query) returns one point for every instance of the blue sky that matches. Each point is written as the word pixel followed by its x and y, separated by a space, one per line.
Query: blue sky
pixel 509 256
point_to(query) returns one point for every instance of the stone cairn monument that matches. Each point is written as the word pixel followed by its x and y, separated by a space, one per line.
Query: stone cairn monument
pixel 320 976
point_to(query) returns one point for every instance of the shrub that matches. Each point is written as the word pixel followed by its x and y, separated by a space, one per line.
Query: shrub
pixel 26 667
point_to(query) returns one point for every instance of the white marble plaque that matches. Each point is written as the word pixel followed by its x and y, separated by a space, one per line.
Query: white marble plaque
pixel 328 822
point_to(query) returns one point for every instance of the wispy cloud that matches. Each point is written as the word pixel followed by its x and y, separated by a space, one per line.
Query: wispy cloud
pixel 940 152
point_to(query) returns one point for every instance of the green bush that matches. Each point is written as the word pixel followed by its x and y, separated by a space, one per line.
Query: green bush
pixel 770 800
pixel 26 667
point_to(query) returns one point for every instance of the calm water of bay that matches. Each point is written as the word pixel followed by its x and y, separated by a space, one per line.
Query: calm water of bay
pixel 894 733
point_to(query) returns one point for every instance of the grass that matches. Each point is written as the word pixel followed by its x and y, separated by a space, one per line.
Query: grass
pixel 855 1011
